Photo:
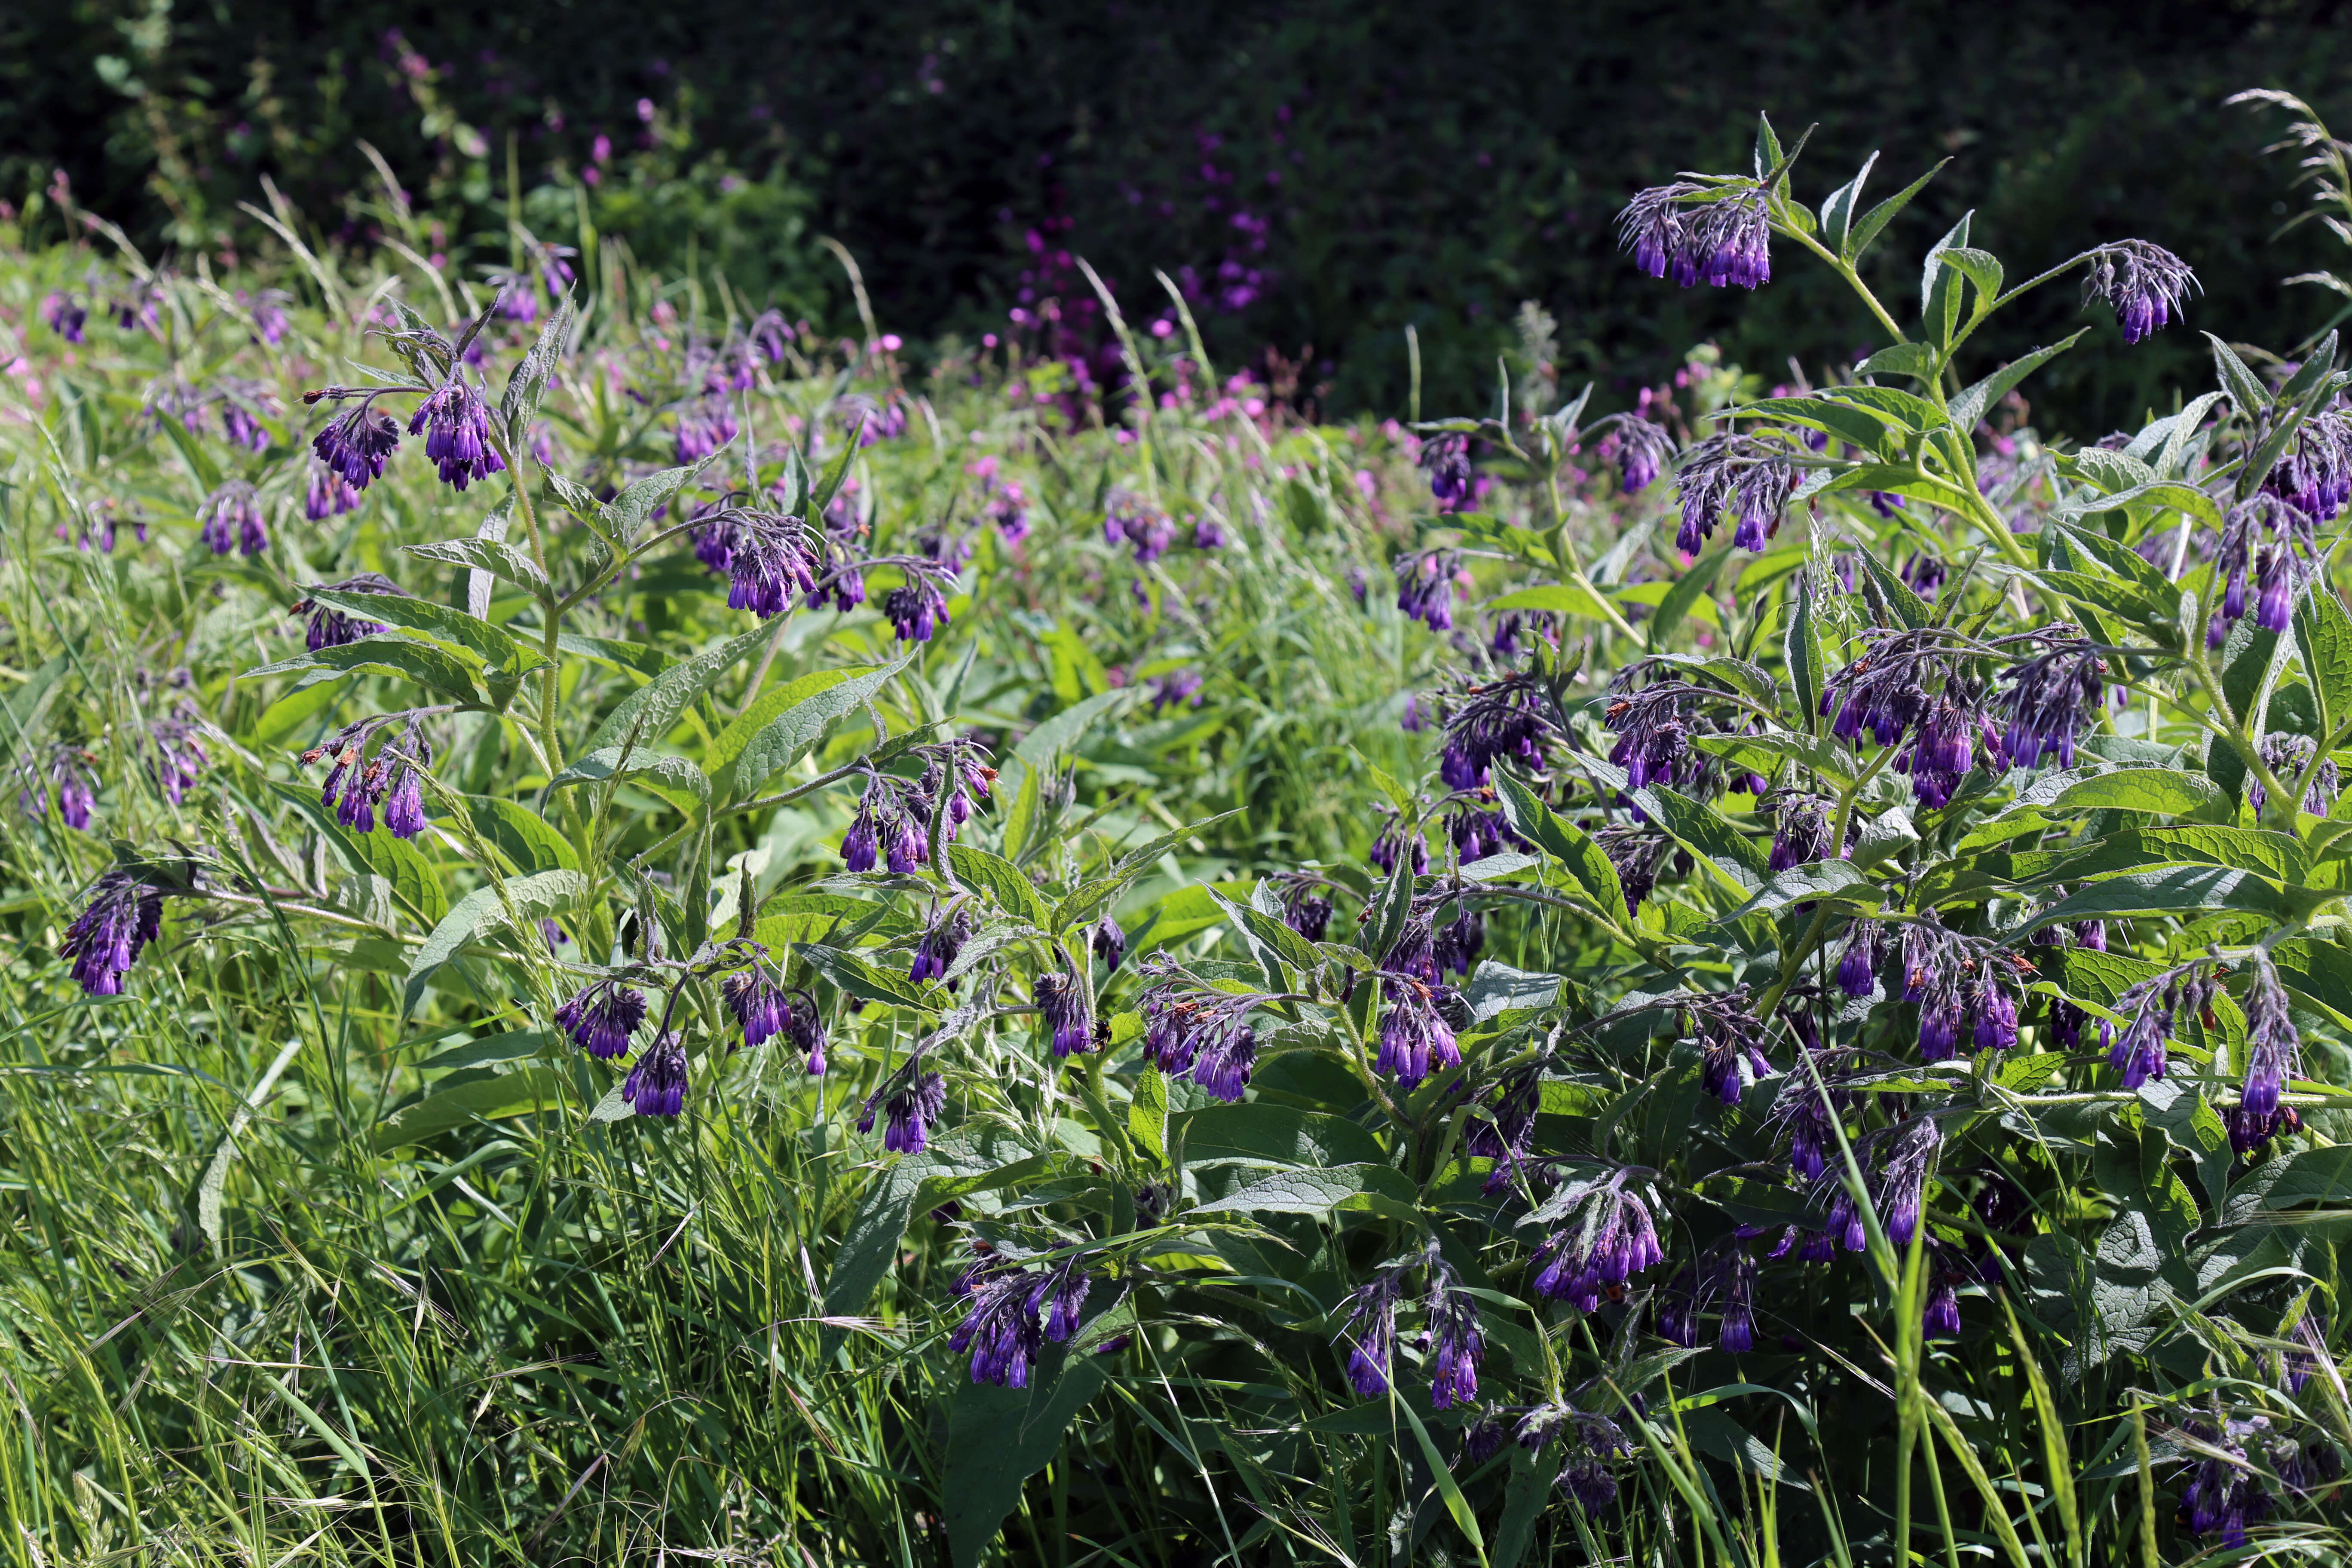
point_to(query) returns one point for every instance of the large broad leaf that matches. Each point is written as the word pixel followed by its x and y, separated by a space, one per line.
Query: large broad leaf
pixel 2286 1182
pixel 1497 988
pixel 1264 1134
pixel 1833 881
pixel 528 384
pixel 999 1438
pixel 532 898
pixel 1971 406
pixel 1321 1192
pixel 1823 756
pixel 646 715
pixel 778 729
pixel 1013 891
pixel 495 556
pixel 1041 745
pixel 1686 592
pixel 673 777
pixel 521 1093
pixel 427 664
pixel 2169 791
pixel 2186 890
pixel 521 833
pixel 446 623
pixel 1570 845
pixel 1707 833
pixel 2323 635
pixel 625 513
pixel 1559 598
pixel 861 978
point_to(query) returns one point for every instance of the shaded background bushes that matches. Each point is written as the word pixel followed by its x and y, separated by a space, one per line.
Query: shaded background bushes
pixel 1317 173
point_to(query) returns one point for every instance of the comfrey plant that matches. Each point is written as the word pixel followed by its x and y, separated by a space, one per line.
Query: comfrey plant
pixel 1857 934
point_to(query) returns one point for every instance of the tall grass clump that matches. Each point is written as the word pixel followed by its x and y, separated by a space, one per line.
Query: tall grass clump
pixel 641 932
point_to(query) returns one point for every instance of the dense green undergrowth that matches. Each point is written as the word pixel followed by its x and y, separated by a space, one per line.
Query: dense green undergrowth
pixel 1361 975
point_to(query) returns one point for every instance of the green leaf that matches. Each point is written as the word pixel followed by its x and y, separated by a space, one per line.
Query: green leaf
pixel 1147 1114
pixel 1837 212
pixel 1902 359
pixel 386 653
pixel 521 1093
pixel 1737 862
pixel 966 1160
pixel 2323 637
pixel 672 777
pixel 1857 427
pixel 2243 387
pixel 1940 286
pixel 1906 409
pixel 1971 405
pixel 521 833
pixel 2186 890
pixel 647 714
pixel 1042 745
pixel 1466 1519
pixel 533 896
pixel 998 1437
pixel 1564 841
pixel 1261 1134
pixel 528 384
pixel 398 861
pixel 1833 881
pixel 1323 1190
pixel 446 623
pixel 1269 936
pixel 1559 598
pixel 1980 267
pixel 860 978
pixel 1894 593
pixel 22 713
pixel 2169 792
pixel 1685 592
pixel 1802 650
pixel 1823 756
pixel 495 556
pixel 1876 220
pixel 1014 892
pixel 784 725
pixel 627 513
pixel 829 485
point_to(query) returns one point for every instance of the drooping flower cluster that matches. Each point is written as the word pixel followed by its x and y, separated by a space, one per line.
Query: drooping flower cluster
pixel 1730 1043
pixel 1722 1279
pixel 1505 718
pixel 2048 699
pixel 2140 1050
pixel 1446 459
pixel 1066 1006
pixel 1749 477
pixel 2270 545
pixel 1013 1311
pixel 230 520
pixel 1451 1342
pixel 2288 757
pixel 393 776
pixel 1190 1029
pixel 603 1018
pixel 893 824
pixel 123 916
pixel 176 751
pixel 1425 582
pixel 2314 475
pixel 918 607
pixel 67 773
pixel 2143 284
pixel 1720 236
pixel 1909 684
pixel 1605 1237
pixel 909 1100
pixel 943 937
pixel 1415 1038
pixel 1130 519
pixel 456 424
pixel 1967 988
pixel 1399 839
pixel 354 446
pixel 1642 450
pixel 2274 1054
